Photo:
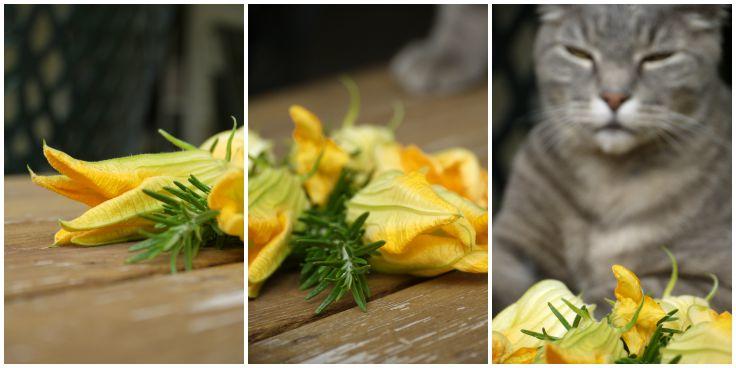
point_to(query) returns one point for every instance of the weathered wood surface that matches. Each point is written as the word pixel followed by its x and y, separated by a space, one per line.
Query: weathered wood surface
pixel 77 305
pixel 410 320
pixel 442 320
pixel 281 305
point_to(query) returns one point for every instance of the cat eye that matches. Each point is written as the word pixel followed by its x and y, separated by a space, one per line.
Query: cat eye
pixel 579 53
pixel 659 56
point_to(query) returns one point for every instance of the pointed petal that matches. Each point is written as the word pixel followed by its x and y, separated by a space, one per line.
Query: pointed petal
pixel 110 178
pixel 426 255
pixel 127 206
pixel 65 186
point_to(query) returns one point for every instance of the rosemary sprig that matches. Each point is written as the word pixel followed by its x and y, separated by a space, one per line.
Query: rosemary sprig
pixel 184 225
pixel 335 254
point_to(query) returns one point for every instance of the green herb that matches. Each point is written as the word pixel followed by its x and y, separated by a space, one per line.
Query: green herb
pixel 652 352
pixel 660 338
pixel 334 251
pixel 184 225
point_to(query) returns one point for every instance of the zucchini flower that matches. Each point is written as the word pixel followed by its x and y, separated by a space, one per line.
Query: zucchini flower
pixel 426 232
pixel 114 190
pixel 227 193
pixel 706 342
pixel 361 143
pixel 629 297
pixel 590 343
pixel 313 148
pixel 456 169
pixel 275 201
pixel 531 312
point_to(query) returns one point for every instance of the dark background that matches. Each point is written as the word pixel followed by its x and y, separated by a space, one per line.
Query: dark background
pixel 514 89
pixel 98 81
pixel 289 44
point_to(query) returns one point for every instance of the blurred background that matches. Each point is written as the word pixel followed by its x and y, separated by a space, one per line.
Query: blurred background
pixel 514 89
pixel 290 44
pixel 97 81
pixel 296 54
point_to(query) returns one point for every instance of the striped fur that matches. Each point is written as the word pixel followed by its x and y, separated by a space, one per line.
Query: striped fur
pixel 579 200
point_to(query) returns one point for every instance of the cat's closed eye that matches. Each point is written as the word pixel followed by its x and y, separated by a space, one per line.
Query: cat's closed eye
pixel 579 53
pixel 658 56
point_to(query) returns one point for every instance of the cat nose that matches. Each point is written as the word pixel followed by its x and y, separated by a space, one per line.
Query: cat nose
pixel 614 99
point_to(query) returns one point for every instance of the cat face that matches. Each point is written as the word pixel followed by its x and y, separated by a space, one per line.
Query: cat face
pixel 619 76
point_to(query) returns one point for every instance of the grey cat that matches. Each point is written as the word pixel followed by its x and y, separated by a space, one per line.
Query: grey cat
pixel 453 58
pixel 633 153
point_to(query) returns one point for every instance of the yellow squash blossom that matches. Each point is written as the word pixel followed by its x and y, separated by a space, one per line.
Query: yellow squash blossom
pixel 706 342
pixel 425 234
pixel 275 200
pixel 532 313
pixel 590 343
pixel 456 169
pixel 114 189
pixel 629 296
pixel 227 193
pixel 683 304
pixel 361 143
pixel 311 146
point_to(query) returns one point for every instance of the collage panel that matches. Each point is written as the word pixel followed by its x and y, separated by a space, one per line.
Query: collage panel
pixel 124 181
pixel 367 185
pixel 611 174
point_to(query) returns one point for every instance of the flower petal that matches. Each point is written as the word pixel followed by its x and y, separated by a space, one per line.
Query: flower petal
pixel 110 178
pixel 264 260
pixel 704 343
pixel 594 343
pixel 67 187
pixel 227 197
pixel 426 255
pixel 404 206
pixel 531 312
pixel 311 144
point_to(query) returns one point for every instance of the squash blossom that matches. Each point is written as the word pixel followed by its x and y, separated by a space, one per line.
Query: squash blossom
pixel 227 193
pixel 361 143
pixel 532 313
pixel 590 343
pixel 426 234
pixel 456 169
pixel 114 190
pixel 629 296
pixel 684 305
pixel 275 201
pixel 313 148
pixel 706 342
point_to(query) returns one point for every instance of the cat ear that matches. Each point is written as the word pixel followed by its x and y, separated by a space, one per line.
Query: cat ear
pixel 704 17
pixel 552 13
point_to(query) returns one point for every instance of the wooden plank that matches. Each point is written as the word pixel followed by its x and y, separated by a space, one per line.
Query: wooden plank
pixel 32 268
pixel 27 202
pixel 431 122
pixel 281 305
pixel 443 320
pixel 194 317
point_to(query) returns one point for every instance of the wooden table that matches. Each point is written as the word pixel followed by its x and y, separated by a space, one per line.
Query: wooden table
pixel 85 305
pixel 409 320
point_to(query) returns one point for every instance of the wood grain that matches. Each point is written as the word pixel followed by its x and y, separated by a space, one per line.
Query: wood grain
pixel 443 320
pixel 281 305
pixel 195 317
